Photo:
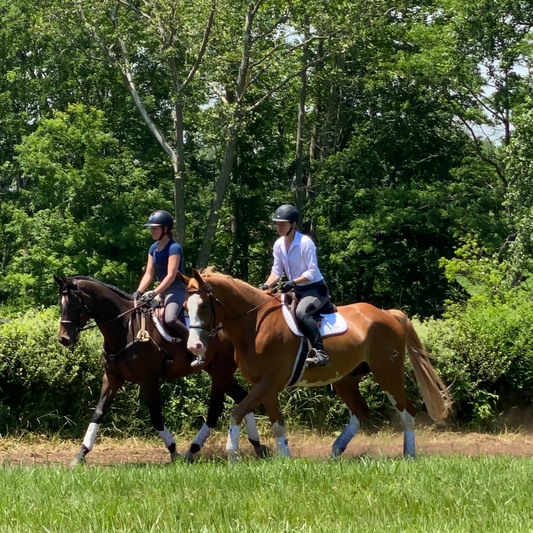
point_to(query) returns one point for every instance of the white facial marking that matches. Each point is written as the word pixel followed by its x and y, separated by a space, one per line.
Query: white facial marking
pixel 64 301
pixel 195 341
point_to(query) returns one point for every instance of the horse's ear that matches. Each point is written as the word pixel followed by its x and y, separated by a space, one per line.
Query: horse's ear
pixel 198 278
pixel 183 278
pixel 59 281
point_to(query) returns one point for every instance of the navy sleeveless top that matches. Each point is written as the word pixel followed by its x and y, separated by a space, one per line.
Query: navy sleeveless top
pixel 161 261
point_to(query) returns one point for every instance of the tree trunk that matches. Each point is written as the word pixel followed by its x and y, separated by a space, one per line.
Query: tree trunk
pixel 299 185
pixel 179 175
pixel 231 144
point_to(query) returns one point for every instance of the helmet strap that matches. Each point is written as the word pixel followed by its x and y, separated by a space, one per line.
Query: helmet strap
pixel 162 234
pixel 290 230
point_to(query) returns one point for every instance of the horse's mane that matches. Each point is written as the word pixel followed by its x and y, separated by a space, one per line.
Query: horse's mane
pixel 112 288
pixel 211 271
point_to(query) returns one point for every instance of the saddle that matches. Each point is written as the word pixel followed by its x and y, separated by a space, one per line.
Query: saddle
pixel 157 313
pixel 328 318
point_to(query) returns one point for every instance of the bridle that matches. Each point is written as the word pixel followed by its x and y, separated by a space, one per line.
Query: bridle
pixel 81 305
pixel 213 328
pixel 79 308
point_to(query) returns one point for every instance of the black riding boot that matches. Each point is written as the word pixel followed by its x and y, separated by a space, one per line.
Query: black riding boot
pixel 178 329
pixel 317 355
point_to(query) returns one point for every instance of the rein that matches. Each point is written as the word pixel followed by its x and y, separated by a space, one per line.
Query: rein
pixel 213 329
pixel 81 303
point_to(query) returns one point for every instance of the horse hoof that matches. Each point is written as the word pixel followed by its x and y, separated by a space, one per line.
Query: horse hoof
pixel 174 456
pixel 262 452
pixel 233 458
pixel 189 457
pixel 77 461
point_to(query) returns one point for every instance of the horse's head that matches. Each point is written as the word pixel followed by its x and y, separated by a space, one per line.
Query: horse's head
pixel 74 312
pixel 205 312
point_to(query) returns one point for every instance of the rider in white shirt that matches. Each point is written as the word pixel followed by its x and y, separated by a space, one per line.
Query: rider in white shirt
pixel 295 254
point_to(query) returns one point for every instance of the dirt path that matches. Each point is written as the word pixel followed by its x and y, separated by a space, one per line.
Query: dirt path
pixel 383 443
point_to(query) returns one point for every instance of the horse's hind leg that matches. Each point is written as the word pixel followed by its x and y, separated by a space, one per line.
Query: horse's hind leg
pixel 348 389
pixel 389 374
pixel 150 390
pixel 111 384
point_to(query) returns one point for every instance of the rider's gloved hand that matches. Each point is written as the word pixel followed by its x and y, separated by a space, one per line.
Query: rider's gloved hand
pixel 136 295
pixel 147 297
pixel 264 287
pixel 288 286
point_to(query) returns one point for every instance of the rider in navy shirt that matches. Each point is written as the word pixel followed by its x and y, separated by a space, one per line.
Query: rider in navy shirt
pixel 165 259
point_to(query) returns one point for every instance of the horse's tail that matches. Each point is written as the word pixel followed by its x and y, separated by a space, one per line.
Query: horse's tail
pixel 436 395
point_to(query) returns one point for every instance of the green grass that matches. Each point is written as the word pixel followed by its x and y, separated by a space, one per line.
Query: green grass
pixel 430 494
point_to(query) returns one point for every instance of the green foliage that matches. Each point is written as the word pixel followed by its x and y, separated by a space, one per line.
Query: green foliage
pixel 47 388
pixel 450 494
pixel 483 351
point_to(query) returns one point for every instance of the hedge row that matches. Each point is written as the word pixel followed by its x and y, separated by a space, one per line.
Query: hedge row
pixel 484 352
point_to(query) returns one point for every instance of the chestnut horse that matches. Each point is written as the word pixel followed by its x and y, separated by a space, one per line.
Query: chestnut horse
pixel 266 349
pixel 126 357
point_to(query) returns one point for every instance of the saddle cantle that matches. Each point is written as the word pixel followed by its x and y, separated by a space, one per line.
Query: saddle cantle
pixel 330 323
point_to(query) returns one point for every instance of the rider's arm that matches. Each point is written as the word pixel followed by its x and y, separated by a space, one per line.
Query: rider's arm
pixel 277 267
pixel 148 274
pixel 172 271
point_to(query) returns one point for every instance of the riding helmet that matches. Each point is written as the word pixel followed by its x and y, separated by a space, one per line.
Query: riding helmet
pixel 286 213
pixel 160 218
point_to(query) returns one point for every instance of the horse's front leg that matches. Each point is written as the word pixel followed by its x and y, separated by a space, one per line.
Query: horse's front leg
pixel 216 406
pixel 252 400
pixel 150 391
pixel 111 383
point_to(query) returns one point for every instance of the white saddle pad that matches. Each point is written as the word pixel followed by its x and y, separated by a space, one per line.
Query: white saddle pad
pixel 163 332
pixel 332 324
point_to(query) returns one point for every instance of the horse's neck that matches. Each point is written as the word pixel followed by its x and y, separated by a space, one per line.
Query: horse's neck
pixel 237 300
pixel 106 304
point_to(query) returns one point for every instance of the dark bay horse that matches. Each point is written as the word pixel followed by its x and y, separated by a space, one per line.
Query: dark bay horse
pixel 126 358
pixel 266 350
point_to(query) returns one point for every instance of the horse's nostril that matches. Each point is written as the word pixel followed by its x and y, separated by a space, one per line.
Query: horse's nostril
pixel 65 341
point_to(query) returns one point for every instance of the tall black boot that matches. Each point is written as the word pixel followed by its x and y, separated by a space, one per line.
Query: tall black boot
pixel 317 355
pixel 178 329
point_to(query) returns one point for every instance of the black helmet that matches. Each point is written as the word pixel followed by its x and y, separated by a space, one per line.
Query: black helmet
pixel 286 213
pixel 160 218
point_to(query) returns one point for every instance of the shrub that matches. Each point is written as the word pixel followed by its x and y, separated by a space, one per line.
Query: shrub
pixel 484 351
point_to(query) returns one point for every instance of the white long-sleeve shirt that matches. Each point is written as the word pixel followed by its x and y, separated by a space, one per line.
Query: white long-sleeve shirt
pixel 299 260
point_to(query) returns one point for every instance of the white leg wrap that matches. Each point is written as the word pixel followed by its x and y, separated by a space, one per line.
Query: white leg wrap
pixel 409 443
pixel 251 428
pixel 282 445
pixel 166 437
pixel 408 423
pixel 232 446
pixel 202 436
pixel 346 436
pixel 90 435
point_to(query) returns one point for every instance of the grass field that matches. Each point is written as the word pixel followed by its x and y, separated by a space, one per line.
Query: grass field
pixel 429 494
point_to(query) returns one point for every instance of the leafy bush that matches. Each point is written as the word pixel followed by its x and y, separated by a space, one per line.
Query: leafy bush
pixel 47 388
pixel 484 350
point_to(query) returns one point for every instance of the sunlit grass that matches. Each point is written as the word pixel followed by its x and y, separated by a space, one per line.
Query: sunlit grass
pixel 436 494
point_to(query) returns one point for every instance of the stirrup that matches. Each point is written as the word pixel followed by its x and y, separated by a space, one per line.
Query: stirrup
pixel 317 358
pixel 198 361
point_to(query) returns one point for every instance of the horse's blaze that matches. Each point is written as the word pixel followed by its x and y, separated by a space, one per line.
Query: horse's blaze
pixel 195 344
